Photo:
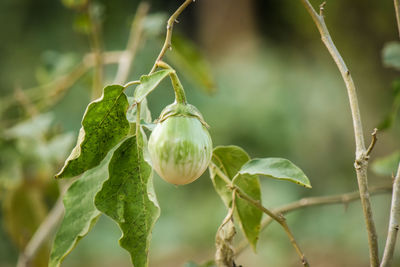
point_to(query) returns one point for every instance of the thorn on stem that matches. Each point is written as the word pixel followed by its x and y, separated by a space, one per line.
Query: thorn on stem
pixel 322 8
pixel 176 21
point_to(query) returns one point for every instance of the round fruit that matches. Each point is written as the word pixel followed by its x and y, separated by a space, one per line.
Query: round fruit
pixel 180 146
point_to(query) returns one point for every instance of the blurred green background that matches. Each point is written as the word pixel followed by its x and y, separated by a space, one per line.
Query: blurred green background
pixel 278 93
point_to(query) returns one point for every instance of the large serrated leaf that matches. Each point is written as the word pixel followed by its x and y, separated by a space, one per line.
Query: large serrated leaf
pixel 277 168
pixel 229 159
pixel 191 63
pixel 128 198
pixel 148 83
pixel 80 211
pixel 103 126
pixel 387 165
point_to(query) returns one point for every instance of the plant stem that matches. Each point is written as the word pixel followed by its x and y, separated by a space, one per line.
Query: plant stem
pixel 397 10
pixel 315 201
pixel 170 26
pixel 135 38
pixel 131 83
pixel 224 255
pixel 138 107
pixel 361 161
pixel 180 95
pixel 394 222
pixel 278 218
pixel 45 230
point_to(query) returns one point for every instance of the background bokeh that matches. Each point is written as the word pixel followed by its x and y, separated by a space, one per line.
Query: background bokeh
pixel 278 93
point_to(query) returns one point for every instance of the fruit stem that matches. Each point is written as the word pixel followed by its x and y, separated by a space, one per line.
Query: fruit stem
pixel 180 96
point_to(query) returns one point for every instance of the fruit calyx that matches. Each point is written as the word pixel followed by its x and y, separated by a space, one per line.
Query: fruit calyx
pixel 183 110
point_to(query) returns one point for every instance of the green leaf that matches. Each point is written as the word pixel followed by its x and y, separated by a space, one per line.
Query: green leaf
pixel 189 60
pixel 103 126
pixel 387 165
pixel 80 212
pixel 391 55
pixel 148 83
pixel 229 159
pixel 276 168
pixel 128 198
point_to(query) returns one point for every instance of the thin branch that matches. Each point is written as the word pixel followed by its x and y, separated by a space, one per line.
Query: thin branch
pixel 373 141
pixel 397 10
pixel 361 161
pixel 394 223
pixel 25 102
pixel 322 9
pixel 170 26
pixel 56 88
pixel 42 234
pixel 315 201
pixel 131 83
pixel 229 216
pixel 135 38
pixel 277 217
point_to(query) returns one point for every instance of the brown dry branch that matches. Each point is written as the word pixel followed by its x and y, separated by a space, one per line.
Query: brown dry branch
pixel 361 157
pixel 170 25
pixel 225 254
pixel 394 222
pixel 279 218
pixel 315 201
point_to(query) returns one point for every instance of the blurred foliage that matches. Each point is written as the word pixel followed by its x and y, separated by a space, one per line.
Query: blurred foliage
pixel 31 151
pixel 282 97
pixel 391 55
pixel 191 63
pixel 387 165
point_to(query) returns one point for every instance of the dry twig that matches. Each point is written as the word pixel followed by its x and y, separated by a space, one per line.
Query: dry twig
pixel 361 160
